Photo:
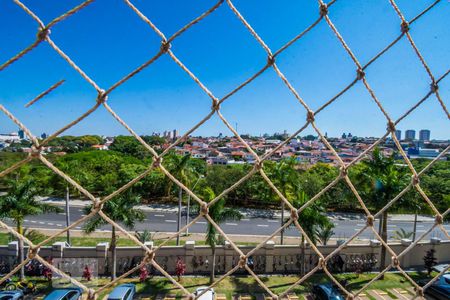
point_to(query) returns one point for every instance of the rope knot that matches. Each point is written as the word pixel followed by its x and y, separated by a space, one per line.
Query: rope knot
pixel 391 126
pixel 404 27
pixel 419 291
pixel 32 252
pixel 439 219
pixel 157 162
pixel 434 87
pixel 216 104
pixel 360 74
pixel 343 171
pixel 323 8
pixel 310 116
pixel 350 297
pixel 204 210
pixel 35 151
pixel 102 96
pixel 270 60
pixel 43 33
pixel 370 220
pixel 91 294
pixel 259 165
pixel 294 215
pixel 321 263
pixel 165 46
pixel 395 261
pixel 149 256
pixel 275 297
pixel 98 205
pixel 415 180
pixel 242 261
pixel 191 297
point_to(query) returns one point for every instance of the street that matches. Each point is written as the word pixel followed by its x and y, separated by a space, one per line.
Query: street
pixel 166 221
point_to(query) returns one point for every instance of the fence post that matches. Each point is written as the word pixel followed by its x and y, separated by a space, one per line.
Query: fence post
pixel 228 252
pixel 102 256
pixel 189 254
pixel 269 249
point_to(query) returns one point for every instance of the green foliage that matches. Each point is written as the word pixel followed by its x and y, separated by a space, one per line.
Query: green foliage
pixel 402 234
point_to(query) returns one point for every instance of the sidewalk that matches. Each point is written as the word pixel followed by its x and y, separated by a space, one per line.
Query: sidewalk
pixel 246 212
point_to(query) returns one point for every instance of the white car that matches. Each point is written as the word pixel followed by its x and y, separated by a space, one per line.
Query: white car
pixel 208 295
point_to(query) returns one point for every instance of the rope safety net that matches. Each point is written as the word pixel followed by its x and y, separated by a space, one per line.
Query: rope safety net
pixel 44 36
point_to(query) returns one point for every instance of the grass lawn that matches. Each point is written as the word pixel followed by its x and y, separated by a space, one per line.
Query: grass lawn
pixel 93 241
pixel 247 285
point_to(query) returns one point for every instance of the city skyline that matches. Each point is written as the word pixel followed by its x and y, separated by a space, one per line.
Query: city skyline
pixel 163 96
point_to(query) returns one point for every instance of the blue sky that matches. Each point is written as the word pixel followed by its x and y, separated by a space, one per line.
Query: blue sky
pixel 107 40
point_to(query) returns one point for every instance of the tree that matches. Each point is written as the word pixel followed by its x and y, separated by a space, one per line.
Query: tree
pixel 429 260
pixel 309 219
pixel 324 232
pixel 219 214
pixel 403 234
pixel 121 210
pixel 20 202
pixel 384 180
pixel 284 177
pixel 179 167
pixel 145 236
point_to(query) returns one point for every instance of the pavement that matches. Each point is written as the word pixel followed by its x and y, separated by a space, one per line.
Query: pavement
pixel 163 218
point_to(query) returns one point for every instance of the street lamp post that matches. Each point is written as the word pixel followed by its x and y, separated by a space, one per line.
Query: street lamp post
pixel 188 207
pixel 67 213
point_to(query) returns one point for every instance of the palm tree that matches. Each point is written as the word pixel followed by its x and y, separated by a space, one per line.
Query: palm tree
pixel 284 177
pixel 145 236
pixel 324 232
pixel 121 210
pixel 402 234
pixel 179 168
pixel 20 202
pixel 385 180
pixel 309 219
pixel 219 213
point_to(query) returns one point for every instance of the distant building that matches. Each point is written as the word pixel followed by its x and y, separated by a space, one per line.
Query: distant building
pixel 398 134
pixel 21 134
pixel 410 134
pixel 175 134
pixel 424 135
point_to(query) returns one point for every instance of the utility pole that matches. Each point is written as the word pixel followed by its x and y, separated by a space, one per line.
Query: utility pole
pixel 180 197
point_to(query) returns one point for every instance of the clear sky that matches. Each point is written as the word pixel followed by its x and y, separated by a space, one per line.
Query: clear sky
pixel 107 40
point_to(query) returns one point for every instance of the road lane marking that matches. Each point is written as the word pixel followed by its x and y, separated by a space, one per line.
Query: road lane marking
pixel 200 222
pixel 231 224
pixel 245 219
pixel 361 225
pixel 33 221
pixel 262 225
pixel 60 225
pixel 41 223
pixel 159 215
pixel 50 224
pixel 273 221
pixel 171 221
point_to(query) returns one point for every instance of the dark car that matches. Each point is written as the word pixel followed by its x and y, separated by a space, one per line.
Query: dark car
pixel 65 294
pixel 11 295
pixel 440 289
pixel 123 292
pixel 326 291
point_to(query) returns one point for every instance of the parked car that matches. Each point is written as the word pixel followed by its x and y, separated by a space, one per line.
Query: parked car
pixel 123 292
pixel 326 291
pixel 440 289
pixel 12 295
pixel 65 294
pixel 208 295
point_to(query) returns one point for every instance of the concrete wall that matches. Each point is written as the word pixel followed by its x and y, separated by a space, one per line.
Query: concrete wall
pixel 270 259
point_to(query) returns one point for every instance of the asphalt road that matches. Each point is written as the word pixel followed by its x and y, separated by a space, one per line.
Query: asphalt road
pixel 167 222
